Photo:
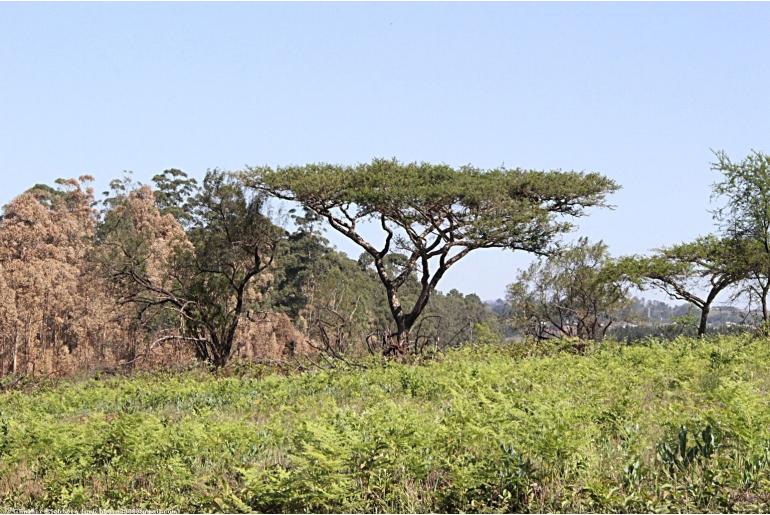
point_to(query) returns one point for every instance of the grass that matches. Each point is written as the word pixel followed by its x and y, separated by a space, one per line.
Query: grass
pixel 680 426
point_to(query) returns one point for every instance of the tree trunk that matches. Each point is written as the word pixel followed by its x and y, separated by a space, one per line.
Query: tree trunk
pixel 402 342
pixel 15 362
pixel 399 340
pixel 220 349
pixel 704 315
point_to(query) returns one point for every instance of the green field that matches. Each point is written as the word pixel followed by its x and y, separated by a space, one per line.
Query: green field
pixel 484 429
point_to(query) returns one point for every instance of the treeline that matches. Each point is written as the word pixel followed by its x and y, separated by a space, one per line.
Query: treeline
pixel 583 292
pixel 175 270
pixel 646 318
pixel 172 271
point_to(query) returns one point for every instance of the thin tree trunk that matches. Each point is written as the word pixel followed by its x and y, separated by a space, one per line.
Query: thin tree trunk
pixel 15 362
pixel 403 342
pixel 28 348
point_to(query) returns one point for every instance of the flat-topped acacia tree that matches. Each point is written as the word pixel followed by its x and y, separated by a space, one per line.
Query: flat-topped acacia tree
pixel 433 215
pixel 708 264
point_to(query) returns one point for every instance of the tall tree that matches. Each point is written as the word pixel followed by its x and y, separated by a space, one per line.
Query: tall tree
pixel 173 192
pixel 745 216
pixel 682 271
pixel 54 308
pixel 574 293
pixel 434 215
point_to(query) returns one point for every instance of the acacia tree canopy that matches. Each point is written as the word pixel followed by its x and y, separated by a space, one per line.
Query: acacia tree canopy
pixel 434 215
pixel 681 271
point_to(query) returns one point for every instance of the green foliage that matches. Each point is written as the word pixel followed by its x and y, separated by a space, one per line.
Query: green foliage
pixel 315 284
pixel 744 216
pixel 680 456
pixel 483 429
pixel 575 293
pixel 431 216
pixel 233 243
pixel 702 258
pixel 745 188
pixel 203 276
pixel 504 207
pixel 173 193
pixel 682 271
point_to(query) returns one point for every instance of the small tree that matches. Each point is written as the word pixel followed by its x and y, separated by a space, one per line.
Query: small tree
pixel 434 215
pixel 746 217
pixel 682 270
pixel 574 293
pixel 207 276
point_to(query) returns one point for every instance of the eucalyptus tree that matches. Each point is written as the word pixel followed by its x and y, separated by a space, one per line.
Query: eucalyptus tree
pixel 433 215
pixel 695 272
pixel 174 190
pixel 54 310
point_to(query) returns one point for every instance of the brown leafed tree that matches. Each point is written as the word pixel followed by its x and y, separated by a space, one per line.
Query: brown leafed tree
pixel 54 306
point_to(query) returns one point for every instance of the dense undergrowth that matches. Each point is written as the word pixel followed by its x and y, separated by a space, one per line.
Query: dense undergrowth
pixel 679 426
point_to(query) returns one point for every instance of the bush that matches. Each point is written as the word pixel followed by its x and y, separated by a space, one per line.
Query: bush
pixel 681 426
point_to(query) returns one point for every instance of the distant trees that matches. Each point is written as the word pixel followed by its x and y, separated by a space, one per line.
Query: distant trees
pixel 187 264
pixel 173 193
pixel 338 302
pixel 454 319
pixel 320 287
pixel 708 264
pixel 739 258
pixel 577 292
pixel 431 216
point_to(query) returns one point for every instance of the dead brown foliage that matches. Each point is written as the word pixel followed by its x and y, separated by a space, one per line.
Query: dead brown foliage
pixel 59 312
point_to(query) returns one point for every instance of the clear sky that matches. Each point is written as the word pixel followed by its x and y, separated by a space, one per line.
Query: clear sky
pixel 639 92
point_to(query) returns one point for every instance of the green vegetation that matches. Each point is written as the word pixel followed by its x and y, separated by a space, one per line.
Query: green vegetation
pixel 745 215
pixel 577 292
pixel 432 216
pixel 415 401
pixel 681 271
pixel 681 426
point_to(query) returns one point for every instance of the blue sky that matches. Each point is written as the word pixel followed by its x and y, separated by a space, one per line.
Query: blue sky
pixel 639 92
